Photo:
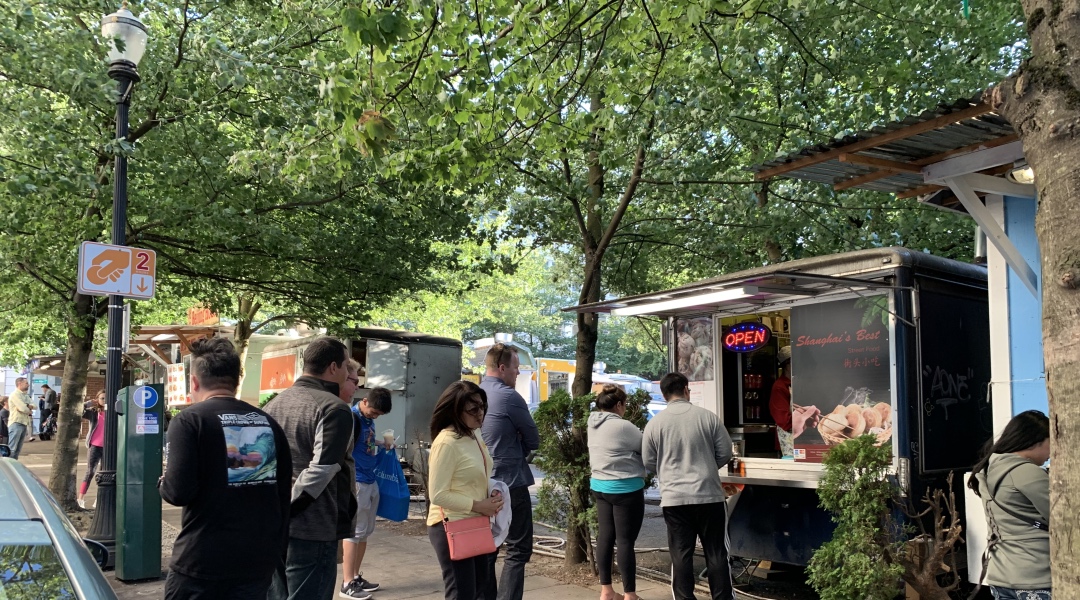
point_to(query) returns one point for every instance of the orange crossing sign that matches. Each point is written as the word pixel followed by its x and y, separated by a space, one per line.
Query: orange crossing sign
pixel 106 269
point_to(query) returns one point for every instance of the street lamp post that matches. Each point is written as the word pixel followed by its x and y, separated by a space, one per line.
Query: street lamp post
pixel 126 38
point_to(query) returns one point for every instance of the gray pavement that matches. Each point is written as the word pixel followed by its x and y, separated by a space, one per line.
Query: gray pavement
pixel 403 563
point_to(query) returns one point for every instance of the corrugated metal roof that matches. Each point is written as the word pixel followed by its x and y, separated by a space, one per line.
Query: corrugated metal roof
pixel 982 129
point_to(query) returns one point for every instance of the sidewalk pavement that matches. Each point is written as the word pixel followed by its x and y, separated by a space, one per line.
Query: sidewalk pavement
pixel 404 564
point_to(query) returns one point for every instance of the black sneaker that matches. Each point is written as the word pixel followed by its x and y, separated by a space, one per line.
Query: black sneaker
pixel 365 585
pixel 352 590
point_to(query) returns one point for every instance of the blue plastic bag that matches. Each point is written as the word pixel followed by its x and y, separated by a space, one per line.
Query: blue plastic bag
pixel 393 489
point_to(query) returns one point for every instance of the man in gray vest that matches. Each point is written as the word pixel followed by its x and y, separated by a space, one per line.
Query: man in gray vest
pixel 318 426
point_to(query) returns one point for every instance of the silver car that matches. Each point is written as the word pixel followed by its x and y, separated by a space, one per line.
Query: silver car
pixel 41 553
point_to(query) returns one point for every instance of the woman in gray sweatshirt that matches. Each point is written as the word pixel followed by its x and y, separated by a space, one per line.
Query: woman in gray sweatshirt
pixel 1016 498
pixel 618 485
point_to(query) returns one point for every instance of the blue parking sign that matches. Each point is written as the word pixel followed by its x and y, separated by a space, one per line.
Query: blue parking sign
pixel 145 397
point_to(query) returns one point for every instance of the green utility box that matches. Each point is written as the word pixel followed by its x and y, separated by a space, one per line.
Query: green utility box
pixel 138 468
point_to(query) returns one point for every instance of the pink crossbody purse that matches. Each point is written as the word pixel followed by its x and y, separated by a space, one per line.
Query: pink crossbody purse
pixel 469 537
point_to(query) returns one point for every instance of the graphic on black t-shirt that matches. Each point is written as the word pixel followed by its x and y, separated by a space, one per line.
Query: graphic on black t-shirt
pixel 251 455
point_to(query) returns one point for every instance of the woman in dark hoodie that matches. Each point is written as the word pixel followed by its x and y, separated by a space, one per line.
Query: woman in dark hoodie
pixel 618 485
pixel 1016 498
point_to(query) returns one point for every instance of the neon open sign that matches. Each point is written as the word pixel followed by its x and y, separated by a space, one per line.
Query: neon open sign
pixel 746 337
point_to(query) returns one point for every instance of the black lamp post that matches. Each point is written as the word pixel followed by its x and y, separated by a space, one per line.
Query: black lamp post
pixel 126 39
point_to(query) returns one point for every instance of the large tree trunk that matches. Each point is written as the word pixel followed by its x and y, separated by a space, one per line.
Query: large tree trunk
pixel 1042 101
pixel 578 539
pixel 69 415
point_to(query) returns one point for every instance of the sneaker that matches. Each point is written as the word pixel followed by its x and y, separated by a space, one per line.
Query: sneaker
pixel 366 585
pixel 352 590
pixel 82 503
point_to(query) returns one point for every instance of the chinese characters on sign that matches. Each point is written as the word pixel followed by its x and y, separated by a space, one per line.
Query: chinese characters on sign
pixel 841 366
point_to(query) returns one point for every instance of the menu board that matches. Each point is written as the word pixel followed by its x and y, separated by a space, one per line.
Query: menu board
pixel 176 385
pixel 840 383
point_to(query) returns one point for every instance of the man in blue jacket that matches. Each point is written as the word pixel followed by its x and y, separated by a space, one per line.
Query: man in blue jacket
pixel 510 435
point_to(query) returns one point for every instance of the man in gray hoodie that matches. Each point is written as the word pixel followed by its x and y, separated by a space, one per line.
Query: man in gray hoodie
pixel 686 446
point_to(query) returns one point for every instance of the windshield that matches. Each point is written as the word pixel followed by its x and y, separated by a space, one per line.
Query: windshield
pixel 31 571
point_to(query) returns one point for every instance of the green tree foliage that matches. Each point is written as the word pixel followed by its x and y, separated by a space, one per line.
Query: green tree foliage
pixel 618 132
pixel 857 488
pixel 240 178
pixel 564 498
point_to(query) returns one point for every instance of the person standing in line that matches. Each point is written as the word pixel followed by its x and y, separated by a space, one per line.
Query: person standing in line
pixel 618 486
pixel 21 419
pixel 510 434
pixel 4 414
pixel 1016 500
pixel 319 427
pixel 459 467
pixel 95 443
pixel 366 452
pixel 686 446
pixel 231 471
pixel 48 405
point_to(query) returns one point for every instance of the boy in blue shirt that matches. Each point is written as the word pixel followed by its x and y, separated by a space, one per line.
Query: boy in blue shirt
pixel 366 452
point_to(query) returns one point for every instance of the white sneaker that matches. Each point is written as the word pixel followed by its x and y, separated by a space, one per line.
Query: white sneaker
pixel 82 503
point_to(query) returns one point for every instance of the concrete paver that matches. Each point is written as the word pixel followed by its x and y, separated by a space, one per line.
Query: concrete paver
pixel 404 565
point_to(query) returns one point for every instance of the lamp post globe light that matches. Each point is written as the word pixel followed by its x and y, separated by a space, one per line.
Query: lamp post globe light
pixel 125 37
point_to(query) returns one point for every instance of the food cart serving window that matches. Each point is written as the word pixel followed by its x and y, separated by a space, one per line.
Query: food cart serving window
pixel 801 356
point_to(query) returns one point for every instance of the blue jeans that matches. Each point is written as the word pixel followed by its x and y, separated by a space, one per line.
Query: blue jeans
pixel 310 572
pixel 16 435
pixel 1001 593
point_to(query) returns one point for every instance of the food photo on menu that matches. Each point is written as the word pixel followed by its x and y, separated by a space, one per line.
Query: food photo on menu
pixel 841 370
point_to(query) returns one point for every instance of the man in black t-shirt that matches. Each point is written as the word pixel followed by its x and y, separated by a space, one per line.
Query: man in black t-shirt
pixel 231 469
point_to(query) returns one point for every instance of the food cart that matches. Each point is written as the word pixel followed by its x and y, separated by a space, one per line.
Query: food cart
pixel 889 341
pixel 415 367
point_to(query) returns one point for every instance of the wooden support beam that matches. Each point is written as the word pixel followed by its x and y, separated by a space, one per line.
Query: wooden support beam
pixel 961 115
pixel 183 340
pixel 880 163
pixel 162 352
pixel 922 162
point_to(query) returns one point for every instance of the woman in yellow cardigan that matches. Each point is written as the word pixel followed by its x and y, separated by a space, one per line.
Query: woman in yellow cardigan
pixel 458 470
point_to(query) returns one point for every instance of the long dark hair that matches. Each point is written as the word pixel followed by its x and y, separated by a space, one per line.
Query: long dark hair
pixel 450 409
pixel 1025 430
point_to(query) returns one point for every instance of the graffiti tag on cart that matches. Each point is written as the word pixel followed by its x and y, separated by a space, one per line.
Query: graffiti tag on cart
pixel 946 388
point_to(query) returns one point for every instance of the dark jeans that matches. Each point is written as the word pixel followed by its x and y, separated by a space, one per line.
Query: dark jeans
pixel 619 519
pixel 93 457
pixel 518 544
pixel 181 587
pixel 1001 593
pixel 685 525
pixel 462 579
pixel 45 412
pixel 310 572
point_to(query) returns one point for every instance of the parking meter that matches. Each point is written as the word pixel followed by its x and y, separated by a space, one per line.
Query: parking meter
pixel 138 467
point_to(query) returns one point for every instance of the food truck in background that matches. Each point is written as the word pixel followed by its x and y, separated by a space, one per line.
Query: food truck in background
pixel 889 342
pixel 415 367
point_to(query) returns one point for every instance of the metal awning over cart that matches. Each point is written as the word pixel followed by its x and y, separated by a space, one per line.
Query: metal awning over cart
pixel 947 157
pixel 750 291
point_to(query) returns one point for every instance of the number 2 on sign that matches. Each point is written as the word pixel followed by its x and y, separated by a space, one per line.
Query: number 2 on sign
pixel 144 262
